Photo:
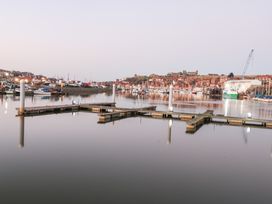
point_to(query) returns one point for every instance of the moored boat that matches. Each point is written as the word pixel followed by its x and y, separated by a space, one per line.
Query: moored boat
pixel 267 99
pixel 230 94
pixel 42 91
pixel 28 92
pixel 10 91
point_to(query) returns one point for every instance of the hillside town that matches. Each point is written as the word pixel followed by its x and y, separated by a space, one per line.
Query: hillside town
pixel 44 85
pixel 184 82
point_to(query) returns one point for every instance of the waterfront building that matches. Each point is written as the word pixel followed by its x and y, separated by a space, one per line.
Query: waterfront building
pixel 234 87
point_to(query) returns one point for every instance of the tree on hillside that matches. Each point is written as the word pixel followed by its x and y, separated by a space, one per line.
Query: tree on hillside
pixel 231 75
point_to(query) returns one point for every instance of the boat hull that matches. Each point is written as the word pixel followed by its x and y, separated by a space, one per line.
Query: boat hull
pixel 230 95
pixel 42 94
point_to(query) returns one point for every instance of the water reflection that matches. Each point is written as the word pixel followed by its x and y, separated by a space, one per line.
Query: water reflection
pixel 246 108
pixel 179 100
pixel 6 107
pixel 228 107
pixel 245 132
pixel 170 123
pixel 186 103
pixel 271 151
pixel 74 114
pixel 22 132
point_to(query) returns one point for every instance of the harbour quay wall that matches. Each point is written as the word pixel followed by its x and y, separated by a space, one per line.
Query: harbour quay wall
pixel 84 90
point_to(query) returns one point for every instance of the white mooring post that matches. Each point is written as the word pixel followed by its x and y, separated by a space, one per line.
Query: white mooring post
pixel 22 97
pixel 170 106
pixel 113 93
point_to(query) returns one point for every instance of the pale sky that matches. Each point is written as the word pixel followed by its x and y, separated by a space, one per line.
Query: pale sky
pixel 105 40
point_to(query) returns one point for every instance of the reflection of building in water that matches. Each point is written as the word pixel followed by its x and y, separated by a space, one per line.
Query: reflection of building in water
pixel 6 107
pixel 242 107
pixel 22 131
pixel 246 108
pixel 179 100
pixel 170 123
pixel 265 112
pixel 226 107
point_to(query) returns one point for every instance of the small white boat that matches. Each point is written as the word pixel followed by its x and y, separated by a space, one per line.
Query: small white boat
pixel 135 91
pixel 10 91
pixel 43 92
pixel 163 91
pixel 27 91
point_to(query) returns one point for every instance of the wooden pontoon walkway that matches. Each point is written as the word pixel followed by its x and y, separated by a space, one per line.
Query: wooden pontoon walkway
pixel 38 110
pixel 109 112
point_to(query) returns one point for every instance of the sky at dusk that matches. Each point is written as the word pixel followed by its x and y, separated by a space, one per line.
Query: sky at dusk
pixel 105 40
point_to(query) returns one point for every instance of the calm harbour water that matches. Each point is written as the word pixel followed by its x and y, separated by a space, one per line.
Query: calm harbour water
pixel 69 158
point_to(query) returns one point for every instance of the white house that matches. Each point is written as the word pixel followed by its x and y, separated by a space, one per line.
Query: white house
pixel 241 86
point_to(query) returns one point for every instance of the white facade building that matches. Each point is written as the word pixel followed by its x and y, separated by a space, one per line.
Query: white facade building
pixel 241 86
